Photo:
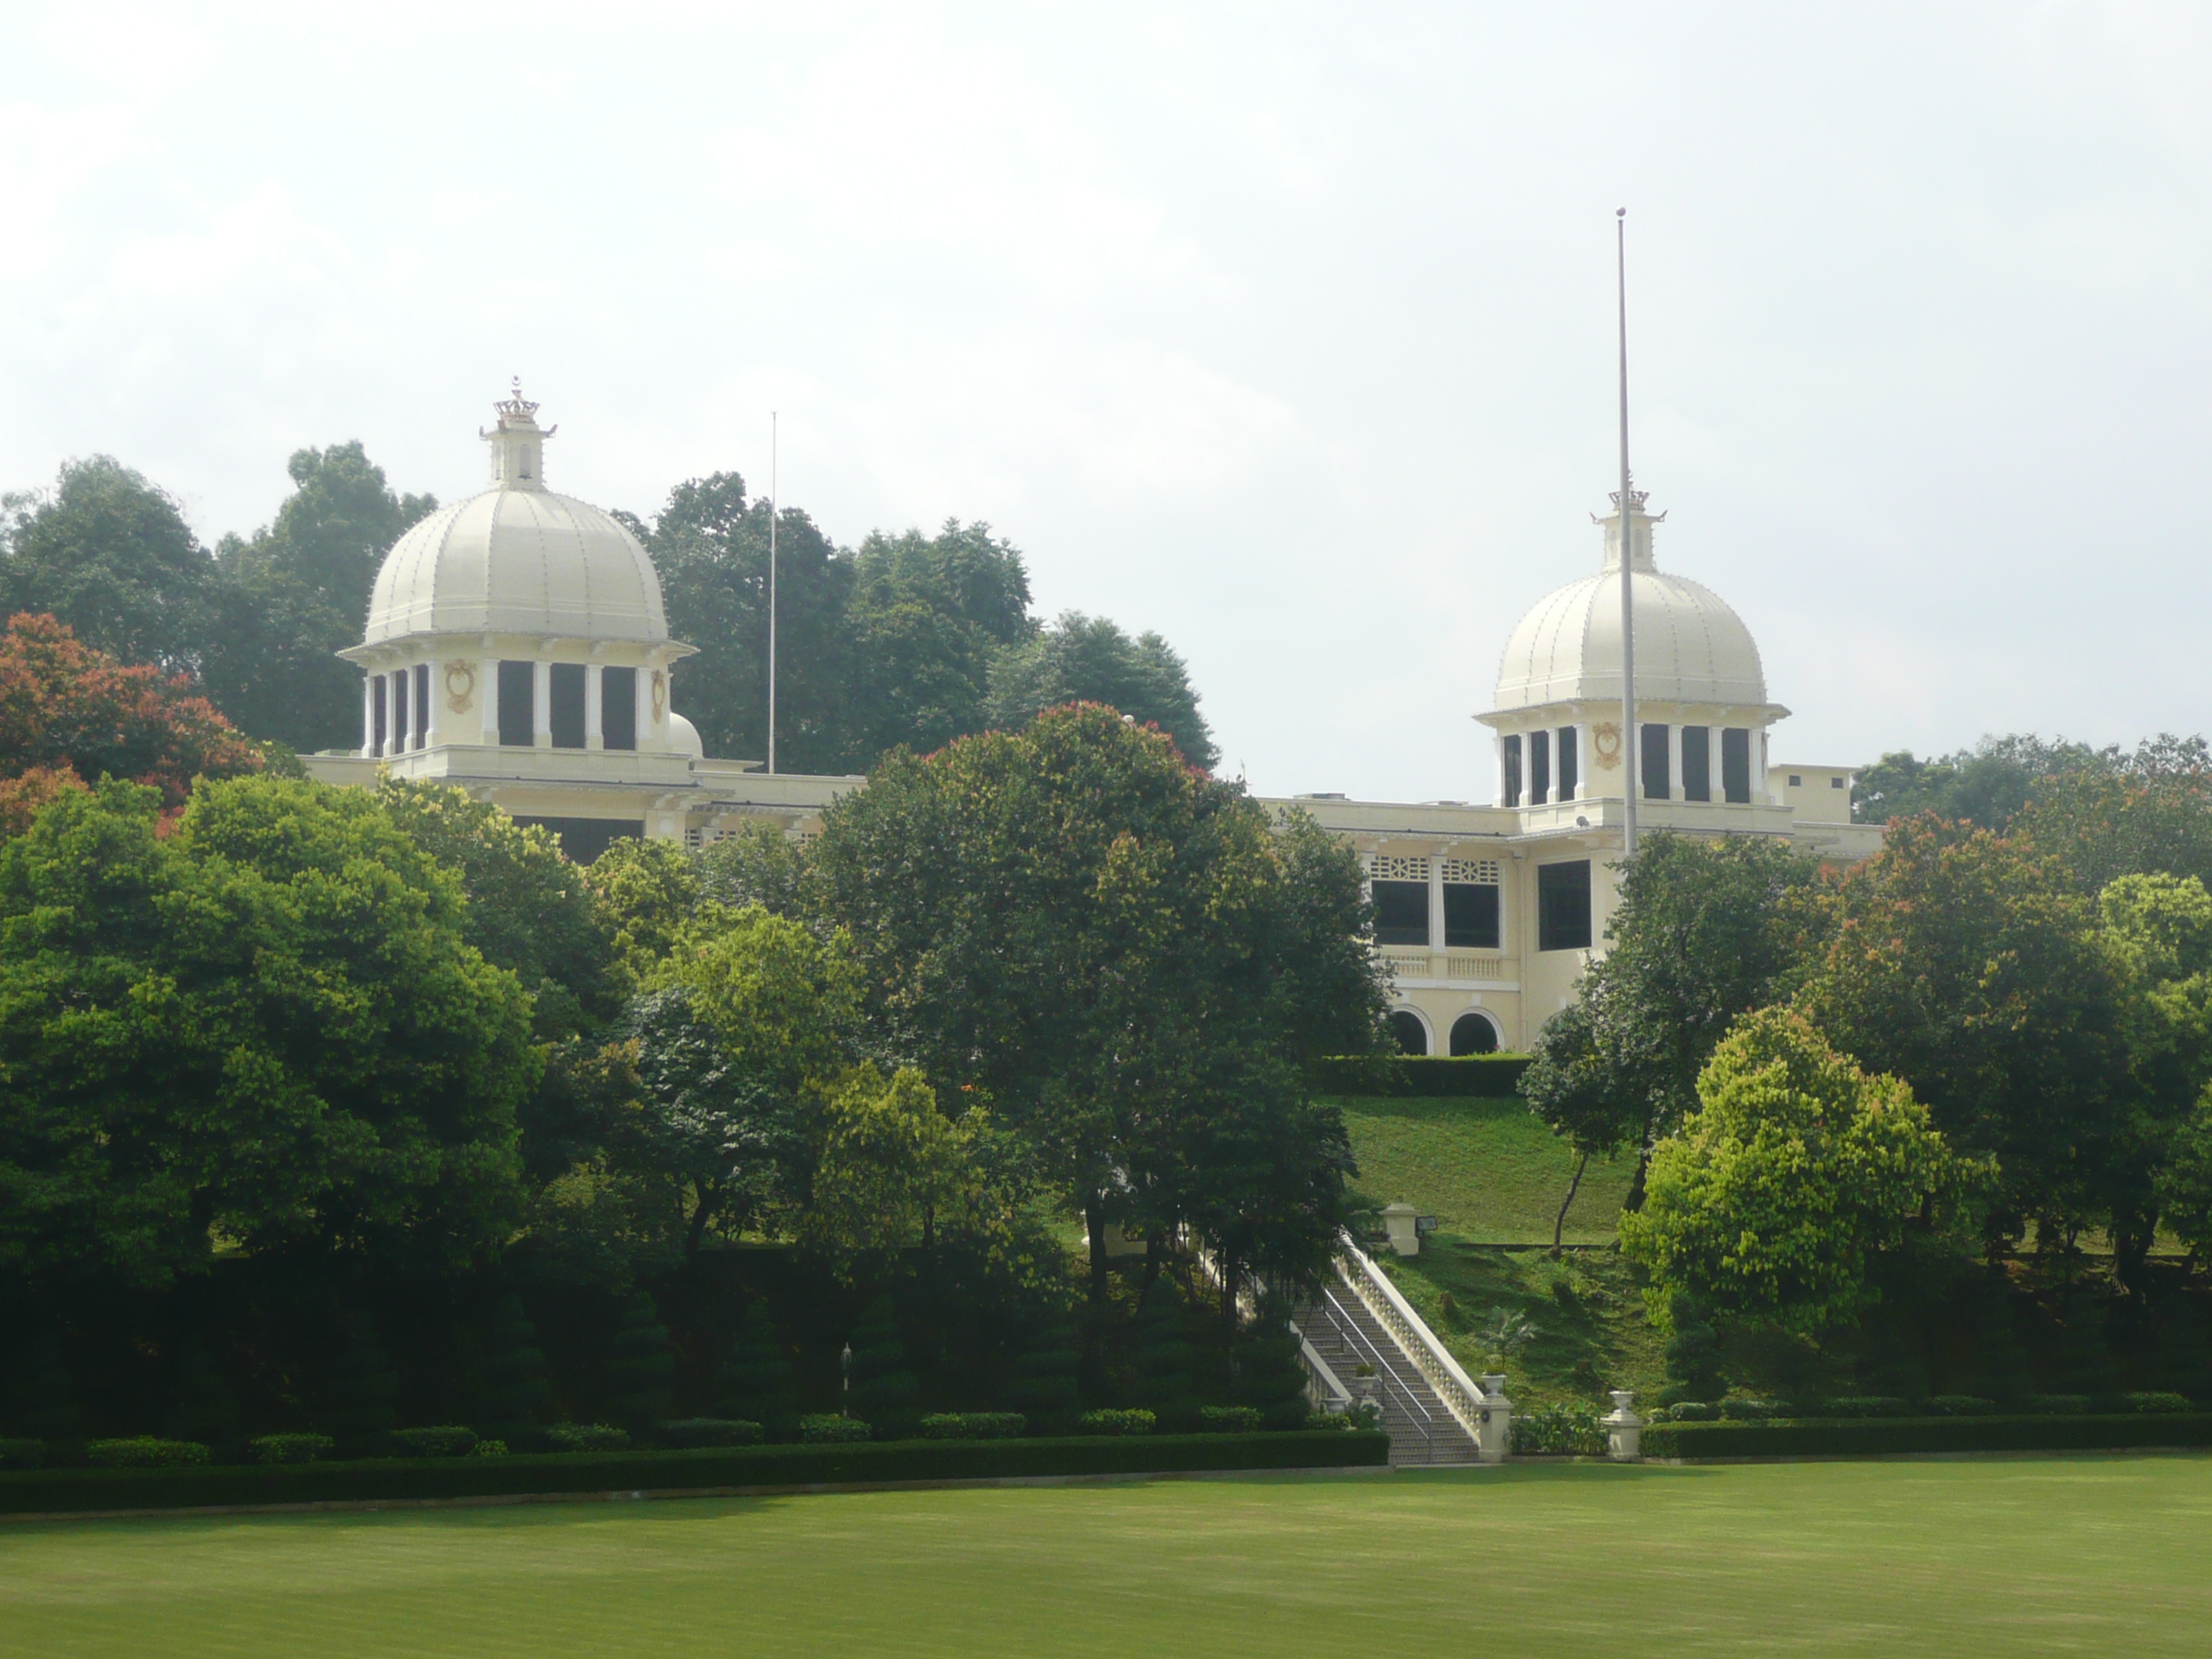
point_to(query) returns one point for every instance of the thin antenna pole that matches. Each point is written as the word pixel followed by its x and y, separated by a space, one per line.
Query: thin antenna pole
pixel 772 592
pixel 1632 782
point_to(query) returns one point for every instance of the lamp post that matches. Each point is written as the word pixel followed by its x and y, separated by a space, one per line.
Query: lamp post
pixel 845 1385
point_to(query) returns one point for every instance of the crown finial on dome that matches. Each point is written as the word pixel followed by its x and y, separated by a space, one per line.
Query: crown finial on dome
pixel 517 444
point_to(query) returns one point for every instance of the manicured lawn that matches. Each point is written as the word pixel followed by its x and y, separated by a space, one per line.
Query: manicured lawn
pixel 1488 1170
pixel 2108 1555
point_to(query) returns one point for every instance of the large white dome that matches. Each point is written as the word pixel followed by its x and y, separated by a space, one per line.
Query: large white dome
pixel 1690 647
pixel 517 559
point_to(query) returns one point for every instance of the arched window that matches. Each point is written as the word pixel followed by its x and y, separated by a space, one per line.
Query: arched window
pixel 1412 1035
pixel 1473 1033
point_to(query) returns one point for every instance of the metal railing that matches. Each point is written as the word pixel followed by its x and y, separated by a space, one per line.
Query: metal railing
pixel 1461 1395
pixel 1386 1376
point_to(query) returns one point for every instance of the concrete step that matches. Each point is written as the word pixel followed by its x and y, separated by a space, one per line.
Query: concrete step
pixel 1421 1427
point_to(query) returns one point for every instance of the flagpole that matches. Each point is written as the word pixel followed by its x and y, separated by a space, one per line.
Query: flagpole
pixel 1631 781
pixel 772 592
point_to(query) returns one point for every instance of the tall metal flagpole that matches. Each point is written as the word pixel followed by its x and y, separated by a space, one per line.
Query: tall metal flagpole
pixel 772 592
pixel 1632 781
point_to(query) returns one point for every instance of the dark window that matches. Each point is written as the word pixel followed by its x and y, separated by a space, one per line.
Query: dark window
pixel 1401 913
pixel 584 839
pixel 379 714
pixel 518 704
pixel 567 710
pixel 1412 1035
pixel 399 710
pixel 1540 768
pixel 422 704
pixel 1568 770
pixel 1796 782
pixel 1697 763
pixel 618 707
pixel 1835 783
pixel 1735 765
pixel 1470 916
pixel 1473 1034
pixel 1513 770
pixel 1563 906
pixel 1651 760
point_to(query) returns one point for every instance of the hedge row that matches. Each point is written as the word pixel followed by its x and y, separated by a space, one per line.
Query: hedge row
pixel 1474 1077
pixel 1871 1437
pixel 57 1490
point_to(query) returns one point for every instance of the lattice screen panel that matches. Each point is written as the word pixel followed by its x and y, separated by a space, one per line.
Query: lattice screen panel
pixel 1389 867
pixel 1482 871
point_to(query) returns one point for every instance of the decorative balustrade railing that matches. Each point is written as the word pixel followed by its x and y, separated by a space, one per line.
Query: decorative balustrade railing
pixel 1461 1395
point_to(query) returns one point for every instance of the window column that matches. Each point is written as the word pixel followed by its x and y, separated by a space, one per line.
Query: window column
pixel 1673 763
pixel 1436 899
pixel 594 706
pixel 541 704
pixel 427 723
pixel 487 701
pixel 368 714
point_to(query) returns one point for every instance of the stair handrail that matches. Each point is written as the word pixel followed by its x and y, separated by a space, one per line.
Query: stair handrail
pixel 1330 1389
pixel 1386 1375
pixel 1461 1395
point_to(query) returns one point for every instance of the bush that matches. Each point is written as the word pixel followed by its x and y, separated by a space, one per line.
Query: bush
pixel 1866 1405
pixel 1474 1077
pixel 22 1455
pixel 488 1449
pixel 1688 1411
pixel 2058 1405
pixel 446 1440
pixel 827 1428
pixel 1564 1427
pixel 1319 1421
pixel 1889 1436
pixel 1751 1410
pixel 290 1448
pixel 1961 1405
pixel 708 1431
pixel 144 1452
pixel 973 1424
pixel 1230 1420
pixel 2158 1402
pixel 586 1437
pixel 1111 1421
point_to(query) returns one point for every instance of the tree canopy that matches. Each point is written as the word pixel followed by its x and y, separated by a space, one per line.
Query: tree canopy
pixel 1088 660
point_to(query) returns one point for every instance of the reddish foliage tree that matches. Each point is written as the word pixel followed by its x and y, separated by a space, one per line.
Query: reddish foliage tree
pixel 69 714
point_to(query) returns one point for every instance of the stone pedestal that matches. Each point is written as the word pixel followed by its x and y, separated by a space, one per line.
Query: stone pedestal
pixel 1623 1430
pixel 1401 1220
pixel 1494 1432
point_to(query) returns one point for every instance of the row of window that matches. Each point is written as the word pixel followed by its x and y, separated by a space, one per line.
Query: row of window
pixel 1472 920
pixel 1471 1034
pixel 1547 752
pixel 399 707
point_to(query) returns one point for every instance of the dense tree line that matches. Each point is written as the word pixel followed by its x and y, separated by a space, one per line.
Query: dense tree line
pixel 905 640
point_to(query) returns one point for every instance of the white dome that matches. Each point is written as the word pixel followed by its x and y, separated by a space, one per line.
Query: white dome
pixel 1690 647
pixel 684 736
pixel 517 561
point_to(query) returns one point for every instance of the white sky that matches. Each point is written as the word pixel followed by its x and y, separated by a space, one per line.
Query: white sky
pixel 1284 329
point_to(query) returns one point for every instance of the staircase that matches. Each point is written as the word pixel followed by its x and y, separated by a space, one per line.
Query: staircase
pixel 1344 1334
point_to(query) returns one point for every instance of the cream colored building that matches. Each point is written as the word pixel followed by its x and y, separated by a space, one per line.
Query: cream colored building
pixel 516 647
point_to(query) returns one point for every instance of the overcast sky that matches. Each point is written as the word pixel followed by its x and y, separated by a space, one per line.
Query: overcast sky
pixel 1286 330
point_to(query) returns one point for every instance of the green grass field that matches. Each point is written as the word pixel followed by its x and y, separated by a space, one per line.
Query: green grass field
pixel 1987 1558
pixel 1487 1170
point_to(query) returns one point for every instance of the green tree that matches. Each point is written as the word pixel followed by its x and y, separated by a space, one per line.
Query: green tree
pixel 754 864
pixel 1163 1365
pixel 891 1165
pixel 111 556
pixel 512 1389
pixel 1270 1376
pixel 206 1408
pixel 1987 784
pixel 754 1383
pixel 264 1029
pixel 358 1409
pixel 885 1392
pixel 1041 1370
pixel 1702 936
pixel 1088 660
pixel 297 593
pixel 640 1365
pixel 2149 813
pixel 646 892
pixel 1796 1168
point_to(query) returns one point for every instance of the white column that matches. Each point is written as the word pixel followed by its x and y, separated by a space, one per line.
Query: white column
pixel 1673 763
pixel 1436 900
pixel 434 695
pixel 1498 759
pixel 1585 763
pixel 1758 764
pixel 541 704
pixel 649 734
pixel 594 711
pixel 368 712
pixel 487 701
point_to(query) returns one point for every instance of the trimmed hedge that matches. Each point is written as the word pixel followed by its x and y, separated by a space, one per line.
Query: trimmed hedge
pixel 72 1490
pixel 144 1452
pixel 973 1424
pixel 1865 1437
pixel 1474 1076
pixel 442 1440
pixel 290 1448
pixel 1111 1420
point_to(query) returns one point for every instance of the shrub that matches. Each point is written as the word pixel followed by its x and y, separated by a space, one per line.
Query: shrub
pixel 1961 1405
pixel 586 1437
pixel 2158 1402
pixel 1478 1076
pixel 22 1455
pixel 708 1431
pixel 827 1428
pixel 1688 1411
pixel 2082 1432
pixel 446 1440
pixel 1328 1419
pixel 2058 1405
pixel 1866 1405
pixel 1110 1421
pixel 1230 1420
pixel 1749 1409
pixel 290 1448
pixel 1563 1427
pixel 488 1449
pixel 144 1452
pixel 973 1424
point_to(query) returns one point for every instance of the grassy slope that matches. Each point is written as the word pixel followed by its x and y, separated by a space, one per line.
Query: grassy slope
pixel 1488 1170
pixel 1989 1558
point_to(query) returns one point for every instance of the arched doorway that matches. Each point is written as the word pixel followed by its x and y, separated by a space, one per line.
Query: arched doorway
pixel 1413 1036
pixel 1473 1033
